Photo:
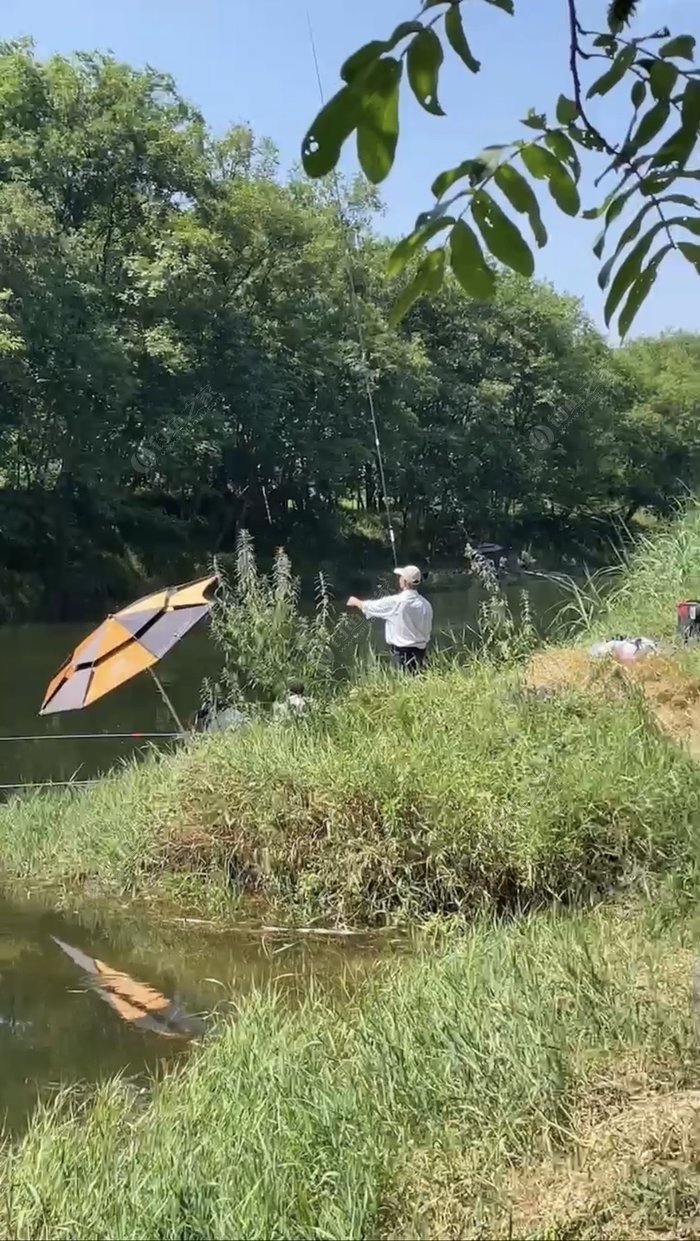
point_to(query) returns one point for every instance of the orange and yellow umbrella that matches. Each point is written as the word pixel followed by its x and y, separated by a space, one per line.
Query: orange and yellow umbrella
pixel 129 642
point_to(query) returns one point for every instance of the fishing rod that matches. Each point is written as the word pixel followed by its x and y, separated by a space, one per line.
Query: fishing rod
pixel 355 301
pixel 97 737
pixel 50 784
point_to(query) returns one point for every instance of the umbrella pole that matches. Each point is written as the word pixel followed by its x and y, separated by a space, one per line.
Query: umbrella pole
pixel 167 701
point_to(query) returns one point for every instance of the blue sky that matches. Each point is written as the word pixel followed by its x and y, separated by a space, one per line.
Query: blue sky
pixel 250 60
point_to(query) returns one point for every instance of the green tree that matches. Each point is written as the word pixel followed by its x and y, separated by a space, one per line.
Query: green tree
pixel 663 429
pixel 522 419
pixel 189 339
pixel 478 202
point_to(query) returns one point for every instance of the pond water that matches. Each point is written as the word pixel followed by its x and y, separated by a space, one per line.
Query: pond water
pixel 56 1029
pixel 78 745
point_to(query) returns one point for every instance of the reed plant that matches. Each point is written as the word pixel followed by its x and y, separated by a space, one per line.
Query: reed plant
pixel 266 639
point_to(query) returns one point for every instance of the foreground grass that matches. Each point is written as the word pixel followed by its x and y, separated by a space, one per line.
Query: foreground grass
pixel 421 1107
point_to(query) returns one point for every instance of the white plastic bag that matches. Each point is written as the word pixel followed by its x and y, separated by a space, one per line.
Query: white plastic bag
pixel 625 650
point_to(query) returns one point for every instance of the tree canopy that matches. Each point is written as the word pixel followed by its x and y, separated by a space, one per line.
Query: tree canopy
pixel 487 207
pixel 180 359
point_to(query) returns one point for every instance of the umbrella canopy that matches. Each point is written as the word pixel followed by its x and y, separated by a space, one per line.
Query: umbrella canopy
pixel 127 643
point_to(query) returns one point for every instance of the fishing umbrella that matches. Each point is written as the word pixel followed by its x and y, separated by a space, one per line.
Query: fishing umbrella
pixel 129 642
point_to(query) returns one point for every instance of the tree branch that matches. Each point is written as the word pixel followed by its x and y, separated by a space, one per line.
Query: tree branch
pixel 575 52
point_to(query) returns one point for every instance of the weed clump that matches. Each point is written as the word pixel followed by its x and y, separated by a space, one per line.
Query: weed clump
pixel 267 641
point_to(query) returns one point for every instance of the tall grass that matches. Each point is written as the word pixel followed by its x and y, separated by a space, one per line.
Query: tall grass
pixel 639 594
pixel 265 638
pixel 502 637
pixel 401 1113
pixel 445 793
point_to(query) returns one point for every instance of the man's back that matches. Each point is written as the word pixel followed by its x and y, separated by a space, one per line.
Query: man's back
pixel 408 616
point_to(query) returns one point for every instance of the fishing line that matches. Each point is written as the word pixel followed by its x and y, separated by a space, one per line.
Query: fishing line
pixel 355 301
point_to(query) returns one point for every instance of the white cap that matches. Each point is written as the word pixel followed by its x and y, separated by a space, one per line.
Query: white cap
pixel 410 573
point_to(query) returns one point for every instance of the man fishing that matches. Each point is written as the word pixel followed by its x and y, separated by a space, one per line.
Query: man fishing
pixel 408 618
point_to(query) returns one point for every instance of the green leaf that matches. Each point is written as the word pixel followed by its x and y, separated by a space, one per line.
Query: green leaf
pixel 535 120
pixel 691 252
pixel 656 184
pixel 690 106
pixel 542 164
pixel 424 59
pixel 454 29
pixel 365 56
pixel 505 5
pixel 362 58
pixel 682 46
pixel 564 149
pixel 629 235
pixel 611 208
pixel 439 211
pixel 633 228
pixel 628 272
pixel 521 196
pixel 445 180
pixel 640 291
pixel 378 125
pixel 427 279
pixel 651 123
pixel 662 79
pixel 599 245
pixel 638 93
pixel 409 246
pixel 585 139
pixel 622 62
pixel 676 150
pixel 500 235
pixel 468 263
pixel 567 110
pixel 324 140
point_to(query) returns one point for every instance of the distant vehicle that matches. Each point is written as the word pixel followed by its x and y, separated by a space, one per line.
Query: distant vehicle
pixel 491 549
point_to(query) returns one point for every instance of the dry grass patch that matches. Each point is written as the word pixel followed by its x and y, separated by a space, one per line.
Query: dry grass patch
pixel 670 689
pixel 634 1175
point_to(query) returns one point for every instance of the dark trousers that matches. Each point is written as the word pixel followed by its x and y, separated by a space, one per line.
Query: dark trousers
pixel 409 658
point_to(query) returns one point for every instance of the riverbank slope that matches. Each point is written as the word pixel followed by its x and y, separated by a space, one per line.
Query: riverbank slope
pixel 449 794
pixel 522 1076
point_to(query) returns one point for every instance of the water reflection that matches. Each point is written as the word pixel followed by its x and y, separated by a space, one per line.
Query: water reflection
pixel 56 1031
pixel 134 1001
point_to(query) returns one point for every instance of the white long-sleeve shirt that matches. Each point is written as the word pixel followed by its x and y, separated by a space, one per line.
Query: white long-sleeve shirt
pixel 408 616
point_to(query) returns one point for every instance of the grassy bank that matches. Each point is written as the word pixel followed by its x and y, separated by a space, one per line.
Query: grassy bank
pixel 427 1106
pixel 528 1078
pixel 440 796
pixel 449 794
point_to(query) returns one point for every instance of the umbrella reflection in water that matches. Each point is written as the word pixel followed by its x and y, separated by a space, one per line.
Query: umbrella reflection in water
pixel 136 1003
